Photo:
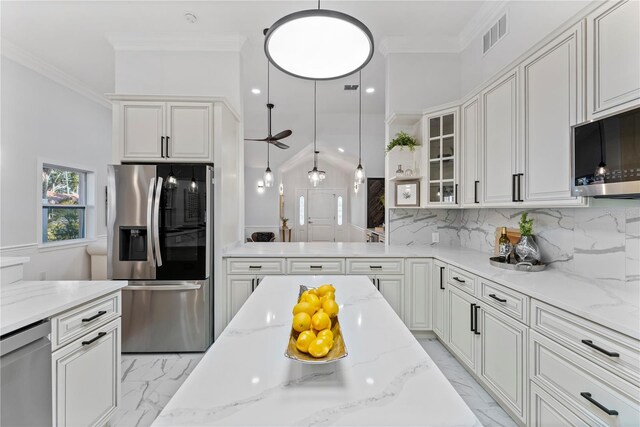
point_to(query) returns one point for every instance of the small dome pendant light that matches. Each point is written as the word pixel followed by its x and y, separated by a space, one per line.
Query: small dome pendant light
pixel 359 173
pixel 268 175
pixel 193 185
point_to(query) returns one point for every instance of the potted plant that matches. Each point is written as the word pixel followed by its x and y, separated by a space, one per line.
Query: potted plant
pixel 402 140
pixel 527 249
pixel 284 222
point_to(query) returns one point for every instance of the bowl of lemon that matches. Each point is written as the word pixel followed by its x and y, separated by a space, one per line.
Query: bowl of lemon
pixel 315 331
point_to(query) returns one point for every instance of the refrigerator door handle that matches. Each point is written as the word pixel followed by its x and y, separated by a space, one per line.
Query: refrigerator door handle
pixel 156 225
pixel 209 220
pixel 193 287
pixel 150 254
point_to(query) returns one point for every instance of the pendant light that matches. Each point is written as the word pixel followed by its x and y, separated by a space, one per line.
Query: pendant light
pixel 171 182
pixel 601 170
pixel 318 44
pixel 359 173
pixel 315 175
pixel 268 175
pixel 193 185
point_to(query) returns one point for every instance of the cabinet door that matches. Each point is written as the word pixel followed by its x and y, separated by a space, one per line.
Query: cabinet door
pixel 502 359
pixel 552 103
pixel 470 134
pixel 87 378
pixel 439 295
pixel 190 130
pixel 418 298
pixel 613 52
pixel 239 288
pixel 499 140
pixel 391 288
pixel 548 411
pixel 442 135
pixel 142 130
pixel 462 340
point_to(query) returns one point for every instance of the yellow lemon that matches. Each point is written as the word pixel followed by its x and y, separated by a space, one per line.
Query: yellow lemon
pixel 326 334
pixel 304 339
pixel 321 321
pixel 331 307
pixel 330 295
pixel 319 347
pixel 313 300
pixel 301 322
pixel 313 291
pixel 322 290
pixel 304 307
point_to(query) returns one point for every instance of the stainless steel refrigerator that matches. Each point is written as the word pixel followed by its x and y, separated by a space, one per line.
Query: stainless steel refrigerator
pixel 160 239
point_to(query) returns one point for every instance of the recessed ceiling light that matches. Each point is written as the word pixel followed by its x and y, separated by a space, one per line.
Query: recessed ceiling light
pixel 255 91
pixel 341 150
pixel 371 90
pixel 191 17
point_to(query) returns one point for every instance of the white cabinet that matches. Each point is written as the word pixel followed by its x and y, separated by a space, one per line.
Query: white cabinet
pixel 462 335
pixel 443 157
pixel 502 362
pixel 549 411
pixel 613 58
pixel 86 373
pixel 552 102
pixel 239 289
pixel 440 300
pixel 392 289
pixel 499 141
pixel 471 152
pixel 165 131
pixel 418 299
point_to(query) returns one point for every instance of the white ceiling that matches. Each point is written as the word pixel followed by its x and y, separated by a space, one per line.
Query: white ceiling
pixel 73 37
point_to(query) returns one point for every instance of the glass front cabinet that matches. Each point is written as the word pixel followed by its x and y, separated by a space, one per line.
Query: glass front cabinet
pixel 441 136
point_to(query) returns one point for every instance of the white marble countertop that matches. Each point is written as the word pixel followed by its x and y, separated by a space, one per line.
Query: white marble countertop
pixel 387 378
pixel 614 304
pixel 13 260
pixel 23 303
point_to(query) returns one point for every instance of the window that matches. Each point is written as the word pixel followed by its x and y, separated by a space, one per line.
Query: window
pixel 301 209
pixel 339 210
pixel 64 204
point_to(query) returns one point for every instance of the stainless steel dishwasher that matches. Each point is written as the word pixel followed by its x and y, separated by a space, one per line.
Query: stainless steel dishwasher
pixel 25 376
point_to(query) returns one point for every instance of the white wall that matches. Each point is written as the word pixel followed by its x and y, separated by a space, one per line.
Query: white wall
pixel 43 119
pixel 261 209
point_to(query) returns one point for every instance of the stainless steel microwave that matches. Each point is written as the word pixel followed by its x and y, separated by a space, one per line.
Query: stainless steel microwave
pixel 606 157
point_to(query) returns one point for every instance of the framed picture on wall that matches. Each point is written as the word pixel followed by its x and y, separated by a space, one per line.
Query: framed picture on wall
pixel 408 193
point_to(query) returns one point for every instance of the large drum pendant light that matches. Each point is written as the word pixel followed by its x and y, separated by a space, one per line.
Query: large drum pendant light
pixel 318 44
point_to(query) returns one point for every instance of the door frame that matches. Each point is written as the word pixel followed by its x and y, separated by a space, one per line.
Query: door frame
pixel 302 230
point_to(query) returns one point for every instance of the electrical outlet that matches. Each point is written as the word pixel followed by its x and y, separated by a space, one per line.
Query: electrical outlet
pixel 435 237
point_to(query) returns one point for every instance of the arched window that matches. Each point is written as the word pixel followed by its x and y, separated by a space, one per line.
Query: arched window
pixel 339 210
pixel 301 209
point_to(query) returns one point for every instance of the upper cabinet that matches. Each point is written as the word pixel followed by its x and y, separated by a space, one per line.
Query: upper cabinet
pixel 551 102
pixel 164 131
pixel 471 152
pixel 613 58
pixel 499 108
pixel 441 139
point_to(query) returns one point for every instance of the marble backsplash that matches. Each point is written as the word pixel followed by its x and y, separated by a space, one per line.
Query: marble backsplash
pixel 597 242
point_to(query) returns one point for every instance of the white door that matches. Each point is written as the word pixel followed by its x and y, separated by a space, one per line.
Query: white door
pixel 391 287
pixel 499 140
pixel 239 288
pixel 143 130
pixel 462 339
pixel 439 298
pixel 321 216
pixel 190 130
pixel 418 299
pixel 613 52
pixel 502 361
pixel 552 103
pixel 470 133
pixel 87 378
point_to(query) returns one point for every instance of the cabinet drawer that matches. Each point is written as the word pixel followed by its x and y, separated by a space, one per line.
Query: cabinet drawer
pixel 462 280
pixel 255 266
pixel 73 324
pixel 315 266
pixel 509 302
pixel 546 411
pixel 590 388
pixel 583 336
pixel 375 266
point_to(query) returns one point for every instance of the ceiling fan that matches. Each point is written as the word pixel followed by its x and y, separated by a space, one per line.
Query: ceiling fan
pixel 272 139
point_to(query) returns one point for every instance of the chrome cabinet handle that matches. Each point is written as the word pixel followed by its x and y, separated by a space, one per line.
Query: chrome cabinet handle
pixel 94 317
pixel 91 341
pixel 600 349
pixel 600 406
pixel 156 225
pixel 497 298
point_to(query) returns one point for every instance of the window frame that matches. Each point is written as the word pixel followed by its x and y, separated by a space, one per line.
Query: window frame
pixel 88 189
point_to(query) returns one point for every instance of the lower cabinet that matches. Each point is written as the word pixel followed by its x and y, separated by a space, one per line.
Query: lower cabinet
pixel 240 287
pixel 391 287
pixel 462 336
pixel 439 300
pixel 549 411
pixel 86 386
pixel 417 306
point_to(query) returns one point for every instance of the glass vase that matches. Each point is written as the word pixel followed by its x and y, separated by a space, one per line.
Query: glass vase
pixel 527 250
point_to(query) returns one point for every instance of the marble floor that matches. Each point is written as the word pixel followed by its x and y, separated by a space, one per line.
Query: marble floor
pixel 149 381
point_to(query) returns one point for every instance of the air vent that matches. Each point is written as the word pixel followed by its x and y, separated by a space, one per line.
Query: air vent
pixel 350 87
pixel 495 33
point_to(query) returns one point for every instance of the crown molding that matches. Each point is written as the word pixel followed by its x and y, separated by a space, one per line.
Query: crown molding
pixel 399 44
pixel 480 22
pixel 167 42
pixel 26 59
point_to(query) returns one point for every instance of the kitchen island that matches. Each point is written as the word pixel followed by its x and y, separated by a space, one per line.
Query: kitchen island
pixel 387 378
